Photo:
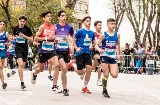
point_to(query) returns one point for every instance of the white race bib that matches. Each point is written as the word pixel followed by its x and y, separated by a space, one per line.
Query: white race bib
pixel 2 46
pixel 110 53
pixel 48 46
pixel 87 42
pixel 20 39
pixel 62 44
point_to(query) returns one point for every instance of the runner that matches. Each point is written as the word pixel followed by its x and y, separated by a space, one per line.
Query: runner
pixel 45 36
pixel 4 36
pixel 11 50
pixel 110 47
pixel 96 54
pixel 64 34
pixel 23 34
pixel 84 41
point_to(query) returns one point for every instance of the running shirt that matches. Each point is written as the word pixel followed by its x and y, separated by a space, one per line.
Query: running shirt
pixel 62 37
pixel 84 39
pixel 22 43
pixel 12 50
pixel 3 40
pixel 47 46
pixel 97 38
pixel 109 45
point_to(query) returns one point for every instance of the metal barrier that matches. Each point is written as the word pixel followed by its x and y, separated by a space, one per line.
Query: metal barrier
pixel 136 64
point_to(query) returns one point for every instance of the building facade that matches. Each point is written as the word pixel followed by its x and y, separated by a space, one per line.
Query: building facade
pixel 81 10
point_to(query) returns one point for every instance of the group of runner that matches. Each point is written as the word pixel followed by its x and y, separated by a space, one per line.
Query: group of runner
pixel 55 42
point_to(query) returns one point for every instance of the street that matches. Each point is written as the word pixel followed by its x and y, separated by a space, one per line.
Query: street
pixel 127 89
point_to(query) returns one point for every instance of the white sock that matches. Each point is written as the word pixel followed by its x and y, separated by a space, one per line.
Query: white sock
pixel 85 83
pixel 98 79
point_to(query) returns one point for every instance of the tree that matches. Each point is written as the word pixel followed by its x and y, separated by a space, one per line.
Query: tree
pixel 119 9
pixel 143 14
pixel 5 7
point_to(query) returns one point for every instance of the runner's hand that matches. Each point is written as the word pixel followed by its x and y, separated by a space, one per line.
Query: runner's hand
pixel 101 51
pixel 51 37
pixel 91 47
pixel 71 50
pixel 78 49
pixel 21 34
pixel 118 57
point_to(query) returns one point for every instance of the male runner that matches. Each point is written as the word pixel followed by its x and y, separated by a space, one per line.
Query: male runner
pixel 109 53
pixel 4 36
pixel 95 53
pixel 84 40
pixel 23 34
pixel 45 36
pixel 64 34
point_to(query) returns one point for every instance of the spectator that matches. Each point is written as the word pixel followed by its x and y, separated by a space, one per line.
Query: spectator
pixel 141 59
pixel 158 50
pixel 150 61
pixel 127 53
pixel 133 51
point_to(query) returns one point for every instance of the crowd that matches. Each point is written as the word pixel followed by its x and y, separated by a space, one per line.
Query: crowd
pixel 141 60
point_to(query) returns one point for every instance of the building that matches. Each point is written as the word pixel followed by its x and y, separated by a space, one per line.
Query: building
pixel 81 9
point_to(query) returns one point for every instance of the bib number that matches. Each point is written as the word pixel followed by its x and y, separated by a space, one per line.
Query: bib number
pixel 20 39
pixel 62 44
pixel 110 52
pixel 87 41
pixel 2 46
pixel 48 46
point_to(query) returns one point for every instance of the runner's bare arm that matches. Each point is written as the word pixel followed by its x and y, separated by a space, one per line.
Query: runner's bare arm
pixel 101 38
pixel 37 38
pixel 118 45
pixel 74 42
pixel 70 42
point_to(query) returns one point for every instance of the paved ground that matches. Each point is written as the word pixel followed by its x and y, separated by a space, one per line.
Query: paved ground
pixel 127 89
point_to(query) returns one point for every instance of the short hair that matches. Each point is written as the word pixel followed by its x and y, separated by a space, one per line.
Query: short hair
pixel 141 45
pixel 127 44
pixel 22 17
pixel 45 13
pixel 96 22
pixel 60 12
pixel 87 17
pixel 111 20
pixel 2 21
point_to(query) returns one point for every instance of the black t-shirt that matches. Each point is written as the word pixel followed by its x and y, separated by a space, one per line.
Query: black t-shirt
pixel 26 31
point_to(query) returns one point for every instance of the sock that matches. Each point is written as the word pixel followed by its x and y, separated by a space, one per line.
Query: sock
pixel 104 83
pixel 22 83
pixel 6 69
pixel 98 79
pixel 85 83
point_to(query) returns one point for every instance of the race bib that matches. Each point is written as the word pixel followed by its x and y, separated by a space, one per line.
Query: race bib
pixel 2 46
pixel 110 52
pixel 20 39
pixel 62 44
pixel 87 41
pixel 48 46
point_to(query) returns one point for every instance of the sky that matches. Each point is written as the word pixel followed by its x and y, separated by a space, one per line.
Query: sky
pixel 102 10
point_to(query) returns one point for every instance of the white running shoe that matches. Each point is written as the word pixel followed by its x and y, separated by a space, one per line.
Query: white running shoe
pixel 99 83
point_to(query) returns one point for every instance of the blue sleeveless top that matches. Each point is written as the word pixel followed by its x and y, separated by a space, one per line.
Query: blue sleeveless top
pixel 109 45
pixel 3 40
